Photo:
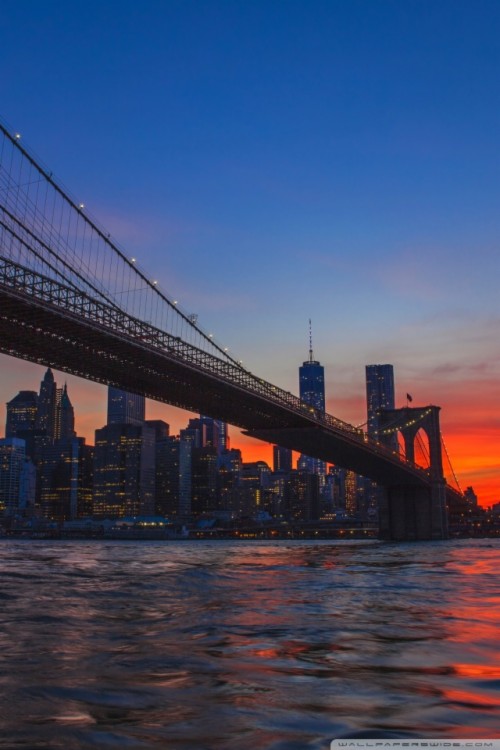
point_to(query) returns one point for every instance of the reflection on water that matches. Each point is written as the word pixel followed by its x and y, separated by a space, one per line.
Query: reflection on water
pixel 246 645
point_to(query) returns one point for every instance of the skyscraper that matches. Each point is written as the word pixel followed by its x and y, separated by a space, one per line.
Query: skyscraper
pixel 58 480
pixel 22 419
pixel 282 459
pixel 124 458
pixel 125 408
pixel 21 414
pixel 312 391
pixel 65 417
pixel 47 401
pixel 12 460
pixel 216 433
pixel 124 470
pixel 379 394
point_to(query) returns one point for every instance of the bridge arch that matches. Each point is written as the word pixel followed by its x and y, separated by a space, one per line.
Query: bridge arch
pixel 412 512
pixel 72 300
pixel 409 422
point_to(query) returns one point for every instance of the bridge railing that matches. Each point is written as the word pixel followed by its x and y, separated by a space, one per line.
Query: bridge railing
pixel 55 235
pixel 70 262
pixel 24 281
pixel 71 300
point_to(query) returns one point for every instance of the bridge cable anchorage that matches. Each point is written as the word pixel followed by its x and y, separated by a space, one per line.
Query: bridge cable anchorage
pixel 85 246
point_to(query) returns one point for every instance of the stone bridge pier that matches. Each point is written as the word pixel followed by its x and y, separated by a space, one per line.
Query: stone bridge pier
pixel 412 512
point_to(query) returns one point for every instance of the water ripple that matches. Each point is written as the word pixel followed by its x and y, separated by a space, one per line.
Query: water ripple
pixel 274 646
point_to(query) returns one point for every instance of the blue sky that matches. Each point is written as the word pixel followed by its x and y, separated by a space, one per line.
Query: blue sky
pixel 280 161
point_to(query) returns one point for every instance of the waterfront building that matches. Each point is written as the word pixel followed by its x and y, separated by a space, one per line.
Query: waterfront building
pixel 173 477
pixel 124 458
pixel 27 493
pixel 62 458
pixel 65 475
pixel 280 479
pixel 12 460
pixel 124 470
pixel 21 414
pixel 22 419
pixel 302 501
pixel 204 480
pixel 254 487
pixel 162 443
pixel 185 483
pixel 85 491
pixel 228 479
pixel 278 489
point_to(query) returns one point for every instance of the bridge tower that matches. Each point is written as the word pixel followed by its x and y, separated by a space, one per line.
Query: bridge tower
pixel 411 512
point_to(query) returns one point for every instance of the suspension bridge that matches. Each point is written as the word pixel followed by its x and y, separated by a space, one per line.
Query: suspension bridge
pixel 72 299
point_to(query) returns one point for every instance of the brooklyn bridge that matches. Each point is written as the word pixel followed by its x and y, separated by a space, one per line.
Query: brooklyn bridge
pixel 72 299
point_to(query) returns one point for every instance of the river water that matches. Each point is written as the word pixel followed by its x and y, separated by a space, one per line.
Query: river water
pixel 246 645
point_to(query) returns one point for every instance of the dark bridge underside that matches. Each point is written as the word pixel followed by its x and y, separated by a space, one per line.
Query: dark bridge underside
pixel 32 330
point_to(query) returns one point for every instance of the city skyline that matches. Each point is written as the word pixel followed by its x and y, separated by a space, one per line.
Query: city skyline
pixel 272 164
pixel 177 419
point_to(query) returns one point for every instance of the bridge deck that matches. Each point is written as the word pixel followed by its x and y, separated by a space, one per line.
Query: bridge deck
pixel 46 322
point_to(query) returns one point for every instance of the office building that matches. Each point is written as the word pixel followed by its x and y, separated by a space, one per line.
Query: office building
pixel 65 417
pixel 125 408
pixel 282 459
pixel 22 419
pixel 228 479
pixel 12 460
pixel 379 394
pixel 124 470
pixel 47 403
pixel 65 480
pixel 312 391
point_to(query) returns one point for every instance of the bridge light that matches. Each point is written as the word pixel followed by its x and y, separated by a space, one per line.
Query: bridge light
pixel 81 205
pixel 210 335
pixel 18 136
pixel 225 348
pixel 175 302
pixel 132 260
pixel 155 282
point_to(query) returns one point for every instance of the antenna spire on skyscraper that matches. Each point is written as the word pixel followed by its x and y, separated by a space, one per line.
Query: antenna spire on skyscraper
pixel 310 342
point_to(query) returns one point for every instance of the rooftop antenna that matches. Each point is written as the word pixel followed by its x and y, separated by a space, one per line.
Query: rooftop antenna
pixel 310 342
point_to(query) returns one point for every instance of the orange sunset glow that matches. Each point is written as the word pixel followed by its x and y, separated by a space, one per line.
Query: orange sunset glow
pixel 468 422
